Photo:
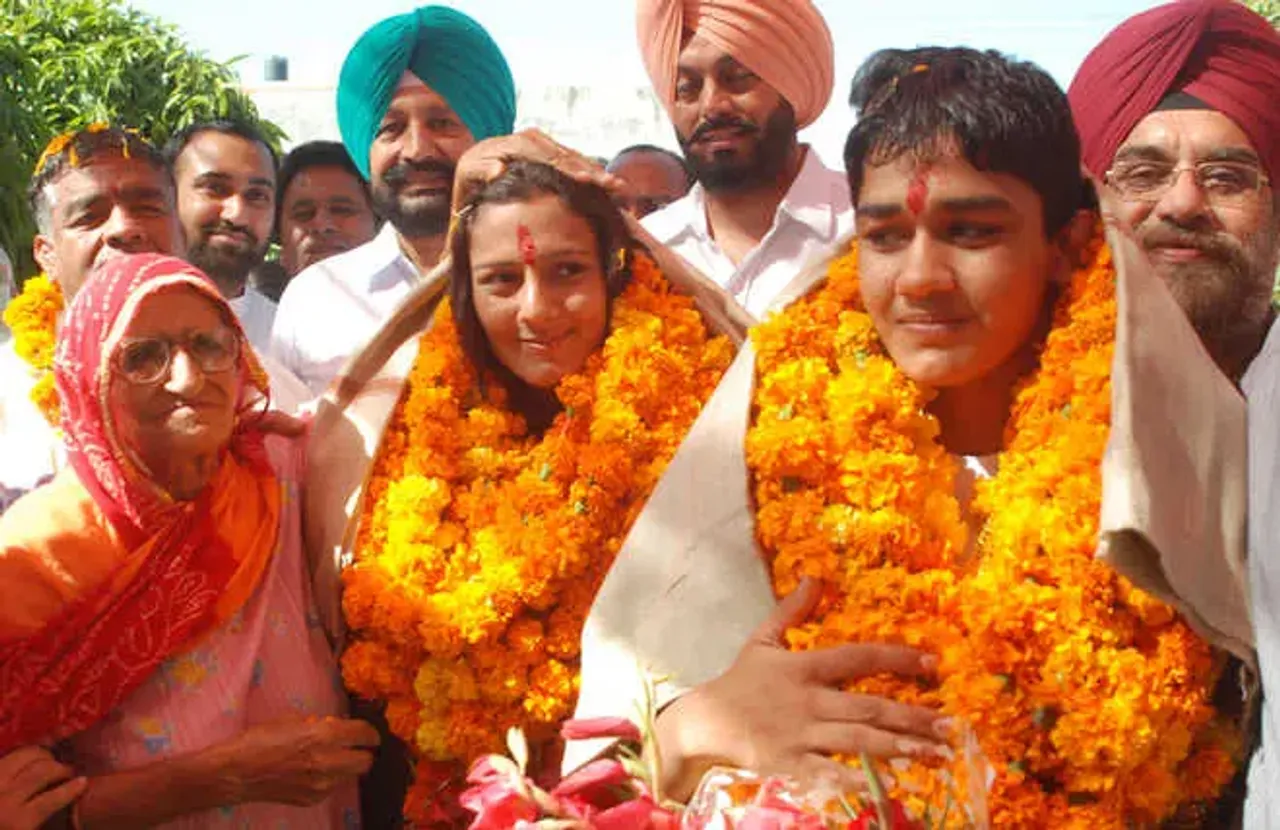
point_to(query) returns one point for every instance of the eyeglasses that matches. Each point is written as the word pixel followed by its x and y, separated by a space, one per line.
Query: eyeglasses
pixel 1224 183
pixel 146 360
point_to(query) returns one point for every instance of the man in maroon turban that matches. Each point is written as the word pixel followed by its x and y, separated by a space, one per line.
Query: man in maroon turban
pixel 1193 87
pixel 1179 117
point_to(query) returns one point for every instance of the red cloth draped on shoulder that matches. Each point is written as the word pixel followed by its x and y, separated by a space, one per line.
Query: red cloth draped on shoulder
pixel 103 575
pixel 1215 50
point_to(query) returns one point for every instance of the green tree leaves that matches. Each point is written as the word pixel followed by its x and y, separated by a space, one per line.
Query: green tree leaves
pixel 65 64
pixel 1270 9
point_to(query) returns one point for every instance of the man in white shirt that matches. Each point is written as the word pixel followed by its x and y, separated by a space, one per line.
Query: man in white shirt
pixel 226 178
pixel 415 92
pixel 738 84
pixel 1190 88
pixel 96 193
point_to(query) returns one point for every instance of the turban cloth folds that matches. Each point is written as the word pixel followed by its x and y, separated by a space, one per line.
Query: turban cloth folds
pixel 785 42
pixel 447 51
pixel 1215 50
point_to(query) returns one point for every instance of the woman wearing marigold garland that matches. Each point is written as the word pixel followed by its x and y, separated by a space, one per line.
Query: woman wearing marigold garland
pixel 552 387
pixel 923 454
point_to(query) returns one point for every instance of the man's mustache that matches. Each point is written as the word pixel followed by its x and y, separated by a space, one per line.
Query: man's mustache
pixel 223 226
pixel 724 123
pixel 398 173
pixel 1210 244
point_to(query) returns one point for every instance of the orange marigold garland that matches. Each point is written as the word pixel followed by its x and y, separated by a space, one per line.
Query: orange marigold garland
pixel 1091 699
pixel 33 318
pixel 481 548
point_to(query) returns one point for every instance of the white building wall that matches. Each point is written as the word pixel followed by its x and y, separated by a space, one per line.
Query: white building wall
pixel 597 121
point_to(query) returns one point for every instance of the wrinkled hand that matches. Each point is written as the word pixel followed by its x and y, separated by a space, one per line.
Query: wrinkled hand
pixel 775 711
pixel 486 160
pixel 299 762
pixel 34 786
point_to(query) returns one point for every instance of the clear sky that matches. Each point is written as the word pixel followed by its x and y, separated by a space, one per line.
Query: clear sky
pixel 592 42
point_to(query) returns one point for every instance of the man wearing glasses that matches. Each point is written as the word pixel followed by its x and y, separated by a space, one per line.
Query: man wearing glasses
pixel 1179 118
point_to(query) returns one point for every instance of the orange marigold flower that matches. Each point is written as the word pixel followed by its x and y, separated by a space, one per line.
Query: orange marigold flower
pixel 1090 699
pixel 480 547
pixel 32 316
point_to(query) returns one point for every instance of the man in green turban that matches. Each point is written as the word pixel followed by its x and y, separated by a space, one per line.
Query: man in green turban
pixel 416 91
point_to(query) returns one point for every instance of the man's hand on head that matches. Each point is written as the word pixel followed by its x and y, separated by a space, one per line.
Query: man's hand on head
pixel 487 160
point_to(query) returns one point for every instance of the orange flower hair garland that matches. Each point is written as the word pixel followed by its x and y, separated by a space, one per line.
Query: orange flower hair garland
pixel 1091 699
pixel 481 548
pixel 33 318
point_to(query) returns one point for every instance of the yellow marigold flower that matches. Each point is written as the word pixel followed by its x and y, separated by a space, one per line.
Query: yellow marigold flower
pixel 32 316
pixel 480 547
pixel 1090 699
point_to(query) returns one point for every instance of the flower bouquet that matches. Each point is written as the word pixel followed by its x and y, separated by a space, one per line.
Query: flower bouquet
pixel 729 799
pixel 606 794
pixel 621 793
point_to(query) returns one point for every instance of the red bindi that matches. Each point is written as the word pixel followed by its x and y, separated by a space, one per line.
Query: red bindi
pixel 918 190
pixel 528 250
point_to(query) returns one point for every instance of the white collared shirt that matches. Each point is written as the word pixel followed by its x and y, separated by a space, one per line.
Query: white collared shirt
pixel 1261 387
pixel 334 308
pixel 811 220
pixel 256 312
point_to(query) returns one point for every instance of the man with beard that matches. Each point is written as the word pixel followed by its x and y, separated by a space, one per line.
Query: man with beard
pixel 738 79
pixel 226 177
pixel 415 92
pixel 96 193
pixel 1177 110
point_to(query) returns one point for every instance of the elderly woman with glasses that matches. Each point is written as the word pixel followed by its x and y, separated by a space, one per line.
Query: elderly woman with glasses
pixel 157 630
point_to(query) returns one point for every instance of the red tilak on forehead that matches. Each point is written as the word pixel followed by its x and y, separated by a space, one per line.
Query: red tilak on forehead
pixel 528 250
pixel 918 190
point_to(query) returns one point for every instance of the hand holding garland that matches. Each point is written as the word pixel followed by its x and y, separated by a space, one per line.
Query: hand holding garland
pixel 777 711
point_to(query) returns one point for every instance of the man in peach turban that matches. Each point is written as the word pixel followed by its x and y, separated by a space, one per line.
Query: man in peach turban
pixel 739 78
pixel 1179 116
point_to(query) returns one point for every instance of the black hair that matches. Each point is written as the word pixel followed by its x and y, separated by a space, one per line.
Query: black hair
pixel 1005 116
pixel 522 181
pixel 662 151
pixel 315 154
pixel 241 129
pixel 79 148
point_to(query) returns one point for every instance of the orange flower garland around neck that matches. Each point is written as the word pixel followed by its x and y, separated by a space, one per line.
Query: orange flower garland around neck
pixel 1091 700
pixel 33 318
pixel 481 547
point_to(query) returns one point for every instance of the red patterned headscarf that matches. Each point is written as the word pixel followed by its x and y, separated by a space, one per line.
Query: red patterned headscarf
pixel 1217 51
pixel 83 372
pixel 184 567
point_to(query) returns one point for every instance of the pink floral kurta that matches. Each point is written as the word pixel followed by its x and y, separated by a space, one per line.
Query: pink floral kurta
pixel 270 662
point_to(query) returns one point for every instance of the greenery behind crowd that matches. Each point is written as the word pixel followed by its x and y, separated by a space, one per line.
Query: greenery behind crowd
pixel 65 64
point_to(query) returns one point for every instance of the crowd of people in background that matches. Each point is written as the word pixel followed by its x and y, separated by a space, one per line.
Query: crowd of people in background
pixel 264 369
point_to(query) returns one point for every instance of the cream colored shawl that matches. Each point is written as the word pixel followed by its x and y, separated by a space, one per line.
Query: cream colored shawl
pixel 689 585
